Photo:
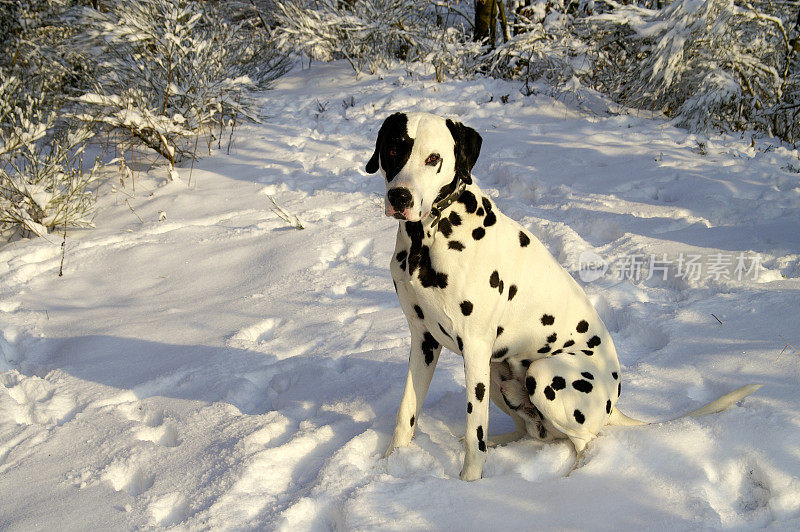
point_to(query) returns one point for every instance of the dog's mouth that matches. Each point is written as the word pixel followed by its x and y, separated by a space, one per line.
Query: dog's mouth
pixel 404 215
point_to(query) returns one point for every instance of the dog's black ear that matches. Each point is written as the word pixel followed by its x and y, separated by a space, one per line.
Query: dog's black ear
pixel 468 147
pixel 372 164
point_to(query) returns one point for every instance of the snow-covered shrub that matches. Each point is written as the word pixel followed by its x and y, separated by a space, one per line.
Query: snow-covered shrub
pixel 43 184
pixel 169 70
pixel 372 34
pixel 547 45
pixel 36 43
pixel 708 63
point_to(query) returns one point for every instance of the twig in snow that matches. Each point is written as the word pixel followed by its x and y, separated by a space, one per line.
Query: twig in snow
pixel 290 219
pixel 134 212
pixel 63 251
pixel 716 318
pixel 787 346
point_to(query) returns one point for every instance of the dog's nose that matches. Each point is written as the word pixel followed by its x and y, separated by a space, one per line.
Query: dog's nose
pixel 400 198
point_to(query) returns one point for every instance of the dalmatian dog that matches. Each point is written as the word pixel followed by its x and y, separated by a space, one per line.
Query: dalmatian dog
pixel 478 283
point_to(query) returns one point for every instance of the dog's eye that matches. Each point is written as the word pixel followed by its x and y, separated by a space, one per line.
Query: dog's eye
pixel 392 153
pixel 433 159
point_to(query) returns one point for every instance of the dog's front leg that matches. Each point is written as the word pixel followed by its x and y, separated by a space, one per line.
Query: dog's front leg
pixel 476 369
pixel 421 363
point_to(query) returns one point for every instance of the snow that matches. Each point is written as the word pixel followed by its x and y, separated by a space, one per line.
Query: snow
pixel 213 368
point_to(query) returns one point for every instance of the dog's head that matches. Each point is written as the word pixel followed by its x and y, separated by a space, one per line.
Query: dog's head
pixel 422 156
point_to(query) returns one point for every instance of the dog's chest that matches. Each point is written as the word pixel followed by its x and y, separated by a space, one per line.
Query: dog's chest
pixel 438 271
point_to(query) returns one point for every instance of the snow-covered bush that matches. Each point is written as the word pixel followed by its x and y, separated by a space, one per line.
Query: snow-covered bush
pixel 43 183
pixel 367 33
pixel 169 70
pixel 372 34
pixel 725 64
pixel 545 46
pixel 36 43
pixel 710 63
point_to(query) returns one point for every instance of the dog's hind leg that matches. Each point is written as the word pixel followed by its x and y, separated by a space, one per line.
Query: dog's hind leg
pixel 421 363
pixel 498 373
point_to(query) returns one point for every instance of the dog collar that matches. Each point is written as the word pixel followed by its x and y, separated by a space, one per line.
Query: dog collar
pixel 442 204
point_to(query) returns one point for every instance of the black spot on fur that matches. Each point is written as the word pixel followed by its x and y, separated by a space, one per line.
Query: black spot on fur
pixel 545 349
pixel 547 319
pixel 445 227
pixel 549 393
pixel 418 310
pixel 582 385
pixel 454 218
pixel 460 343
pixel 491 218
pixel 469 408
pixel 479 212
pixel 419 259
pixel 478 233
pixel 512 291
pixel 552 338
pixel 524 239
pixel 444 332
pixel 412 421
pixel 608 406
pixel 587 375
pixel 587 352
pixel 557 351
pixel 542 431
pixel 525 362
pixel 501 287
pixel 456 245
pixel 401 255
pixel 481 443
pixel 499 353
pixel 579 416
pixel 582 327
pixel 615 375
pixel 500 331
pixel 558 383
pixel 494 279
pixel 429 344
pixel 569 343
pixel 480 389
pixel 466 308
pixel 530 384
pixel 619 389
pixel 469 201
pixel 594 341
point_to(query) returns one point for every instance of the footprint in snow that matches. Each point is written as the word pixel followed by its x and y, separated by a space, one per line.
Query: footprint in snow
pixel 155 429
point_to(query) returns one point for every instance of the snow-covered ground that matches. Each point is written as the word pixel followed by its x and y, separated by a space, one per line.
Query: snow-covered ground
pixel 220 370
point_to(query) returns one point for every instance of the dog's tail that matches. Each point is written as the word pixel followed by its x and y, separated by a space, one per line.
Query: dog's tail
pixel 723 403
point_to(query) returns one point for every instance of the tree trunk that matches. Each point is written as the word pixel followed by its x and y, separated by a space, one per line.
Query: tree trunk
pixel 483 15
